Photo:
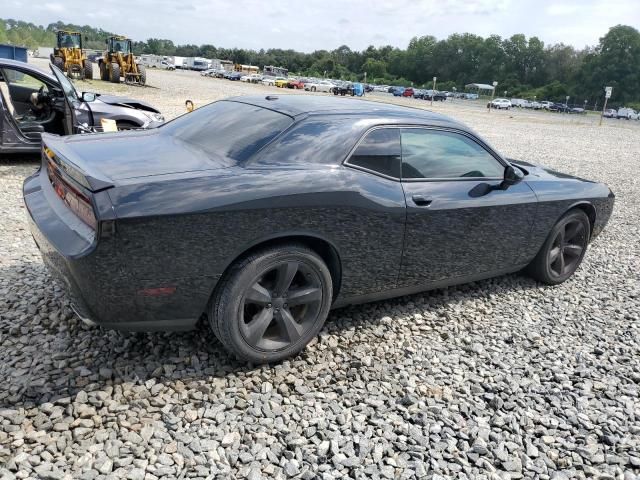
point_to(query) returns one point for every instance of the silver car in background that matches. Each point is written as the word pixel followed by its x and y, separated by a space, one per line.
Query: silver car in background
pixel 34 102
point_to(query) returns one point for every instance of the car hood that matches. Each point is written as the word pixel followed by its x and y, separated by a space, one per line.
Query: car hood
pixel 115 157
pixel 126 102
pixel 540 172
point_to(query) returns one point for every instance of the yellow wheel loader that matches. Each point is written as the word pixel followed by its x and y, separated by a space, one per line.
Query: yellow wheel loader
pixel 68 57
pixel 118 61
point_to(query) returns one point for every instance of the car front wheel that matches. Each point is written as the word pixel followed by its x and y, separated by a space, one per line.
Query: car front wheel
pixel 270 304
pixel 564 249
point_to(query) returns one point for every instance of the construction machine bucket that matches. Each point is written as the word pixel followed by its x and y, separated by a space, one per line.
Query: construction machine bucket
pixel 75 71
pixel 133 79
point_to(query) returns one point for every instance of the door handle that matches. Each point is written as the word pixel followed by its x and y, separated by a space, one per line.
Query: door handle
pixel 421 201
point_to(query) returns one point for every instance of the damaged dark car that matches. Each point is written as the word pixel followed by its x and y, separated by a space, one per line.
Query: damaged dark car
pixel 34 102
pixel 261 227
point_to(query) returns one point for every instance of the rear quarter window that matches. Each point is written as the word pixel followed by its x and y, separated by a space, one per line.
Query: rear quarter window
pixel 316 140
pixel 229 129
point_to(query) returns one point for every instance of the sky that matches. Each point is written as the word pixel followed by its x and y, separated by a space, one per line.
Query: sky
pixel 308 25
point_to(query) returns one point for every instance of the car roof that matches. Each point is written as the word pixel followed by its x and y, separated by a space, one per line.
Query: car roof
pixel 300 105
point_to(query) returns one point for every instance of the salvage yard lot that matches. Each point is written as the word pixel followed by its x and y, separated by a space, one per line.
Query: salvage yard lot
pixel 502 378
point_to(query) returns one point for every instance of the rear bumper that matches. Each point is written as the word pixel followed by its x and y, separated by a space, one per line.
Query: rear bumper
pixel 100 291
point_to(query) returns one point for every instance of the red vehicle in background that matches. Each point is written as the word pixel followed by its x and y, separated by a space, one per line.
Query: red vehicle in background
pixel 408 92
pixel 298 84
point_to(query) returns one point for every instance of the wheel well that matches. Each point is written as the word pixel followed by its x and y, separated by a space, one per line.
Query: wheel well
pixel 591 214
pixel 323 248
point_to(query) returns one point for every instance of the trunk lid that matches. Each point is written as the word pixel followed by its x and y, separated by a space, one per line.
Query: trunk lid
pixel 105 158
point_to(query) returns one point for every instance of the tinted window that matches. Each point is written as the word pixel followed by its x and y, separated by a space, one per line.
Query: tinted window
pixel 229 129
pixel 438 154
pixel 379 151
pixel 319 140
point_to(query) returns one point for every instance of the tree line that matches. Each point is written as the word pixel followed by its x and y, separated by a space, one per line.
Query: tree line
pixel 523 67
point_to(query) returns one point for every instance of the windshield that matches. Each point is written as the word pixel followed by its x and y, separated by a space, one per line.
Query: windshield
pixel 121 46
pixel 221 129
pixel 66 85
pixel 69 40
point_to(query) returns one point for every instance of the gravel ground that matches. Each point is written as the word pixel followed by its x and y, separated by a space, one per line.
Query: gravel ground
pixel 501 379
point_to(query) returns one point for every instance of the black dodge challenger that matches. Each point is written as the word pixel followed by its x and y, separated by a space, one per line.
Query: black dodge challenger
pixel 261 214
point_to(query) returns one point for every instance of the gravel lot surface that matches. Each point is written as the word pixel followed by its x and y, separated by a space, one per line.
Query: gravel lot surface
pixel 501 379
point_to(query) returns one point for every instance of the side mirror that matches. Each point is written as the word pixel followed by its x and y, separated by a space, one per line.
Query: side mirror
pixel 512 176
pixel 88 97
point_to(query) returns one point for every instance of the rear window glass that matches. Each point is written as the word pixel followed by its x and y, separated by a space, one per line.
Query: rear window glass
pixel 229 129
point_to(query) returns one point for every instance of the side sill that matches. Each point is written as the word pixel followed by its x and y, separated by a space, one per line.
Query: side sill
pixel 401 292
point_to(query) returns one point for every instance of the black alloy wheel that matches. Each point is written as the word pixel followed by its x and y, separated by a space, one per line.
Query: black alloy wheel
pixel 280 305
pixel 563 251
pixel 567 248
pixel 270 304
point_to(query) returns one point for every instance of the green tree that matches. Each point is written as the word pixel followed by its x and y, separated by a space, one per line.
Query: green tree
pixel 615 62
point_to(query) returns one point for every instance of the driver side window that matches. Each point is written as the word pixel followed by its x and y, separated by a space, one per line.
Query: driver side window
pixel 431 154
pixel 22 80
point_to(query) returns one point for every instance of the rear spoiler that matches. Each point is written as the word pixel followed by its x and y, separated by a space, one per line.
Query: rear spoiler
pixel 55 149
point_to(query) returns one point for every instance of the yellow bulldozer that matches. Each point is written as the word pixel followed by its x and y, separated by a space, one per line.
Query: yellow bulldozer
pixel 68 56
pixel 118 62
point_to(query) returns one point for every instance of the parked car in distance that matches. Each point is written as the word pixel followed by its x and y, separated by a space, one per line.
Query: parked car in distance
pixel 517 102
pixel 235 76
pixel 33 102
pixel 500 103
pixel 408 92
pixel 396 91
pixel 269 80
pixel 319 86
pixel 314 204
pixel 251 78
pixel 343 88
pixel 295 83
pixel 437 96
pixel 546 104
pixel 627 113
pixel 281 82
pixel 610 113
pixel 536 105
pixel 471 96
pixel 418 93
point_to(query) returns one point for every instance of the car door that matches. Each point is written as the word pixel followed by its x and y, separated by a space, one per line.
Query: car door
pixel 72 101
pixel 460 223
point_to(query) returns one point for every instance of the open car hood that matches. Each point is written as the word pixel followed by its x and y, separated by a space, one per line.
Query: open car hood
pixel 126 102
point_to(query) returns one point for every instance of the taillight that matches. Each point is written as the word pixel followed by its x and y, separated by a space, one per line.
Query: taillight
pixel 73 198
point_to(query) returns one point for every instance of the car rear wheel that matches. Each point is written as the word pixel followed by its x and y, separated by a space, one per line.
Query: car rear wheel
pixel 272 303
pixel 564 249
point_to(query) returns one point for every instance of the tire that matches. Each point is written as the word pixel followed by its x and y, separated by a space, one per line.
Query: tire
pixel 104 72
pixel 280 331
pixel 114 76
pixel 570 232
pixel 143 74
pixel 88 69
pixel 313 89
pixel 59 62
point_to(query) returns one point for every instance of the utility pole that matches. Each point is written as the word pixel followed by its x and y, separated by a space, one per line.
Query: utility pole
pixel 607 96
pixel 495 84
pixel 433 92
